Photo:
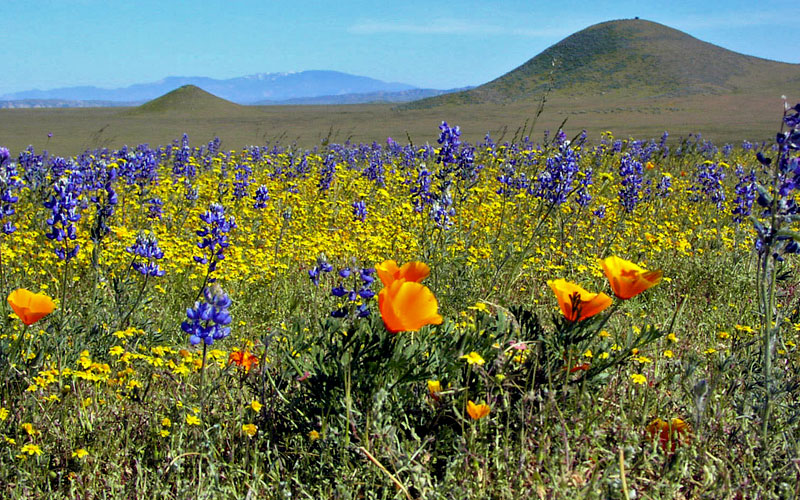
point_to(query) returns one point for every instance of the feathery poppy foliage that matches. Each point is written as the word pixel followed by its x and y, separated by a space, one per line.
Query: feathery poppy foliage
pixel 576 303
pixel 29 306
pixel 626 278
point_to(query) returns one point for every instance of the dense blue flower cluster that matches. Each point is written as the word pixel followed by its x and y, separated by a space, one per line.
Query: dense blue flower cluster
pixel 326 172
pixel 643 151
pixel 59 166
pixel 361 291
pixel 442 211
pixel 181 162
pixel 359 210
pixel 421 195
pixel 155 208
pixel 32 166
pixel 600 212
pixel 745 194
pixel 214 236
pixel 375 170
pixel 64 204
pixel 560 176
pixel 261 197
pixel 780 207
pixel 630 171
pixel 10 184
pixel 582 196
pixel 510 183
pixel 726 150
pixel 241 182
pixel 212 149
pixel 207 321
pixel 146 247
pixel 139 167
pixel 664 187
pixel 191 193
pixel 450 139
pixel 663 144
pixel 104 199
pixel 322 266
pixel 707 185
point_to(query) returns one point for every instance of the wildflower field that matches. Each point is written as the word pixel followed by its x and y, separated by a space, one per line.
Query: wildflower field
pixel 555 318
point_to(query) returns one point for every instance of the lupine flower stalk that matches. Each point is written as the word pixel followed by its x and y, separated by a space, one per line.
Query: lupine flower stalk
pixel 214 238
pixel 777 236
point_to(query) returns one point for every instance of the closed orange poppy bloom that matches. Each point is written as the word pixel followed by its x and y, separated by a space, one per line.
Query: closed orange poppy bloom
pixel 29 306
pixel 388 271
pixel 574 300
pixel 669 434
pixel 407 306
pixel 626 278
pixel 477 411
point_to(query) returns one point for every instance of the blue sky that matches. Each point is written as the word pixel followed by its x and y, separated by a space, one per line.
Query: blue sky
pixel 112 43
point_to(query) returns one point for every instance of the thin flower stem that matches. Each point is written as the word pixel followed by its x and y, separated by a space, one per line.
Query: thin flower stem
pixel 124 323
pixel 202 380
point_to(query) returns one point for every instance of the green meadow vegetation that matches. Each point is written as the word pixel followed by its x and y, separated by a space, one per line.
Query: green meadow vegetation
pixel 566 317
pixel 556 300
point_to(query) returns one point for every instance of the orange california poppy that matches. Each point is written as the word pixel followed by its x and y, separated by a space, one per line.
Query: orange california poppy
pixel 434 387
pixel 574 300
pixel 407 306
pixel 477 411
pixel 243 359
pixel 388 271
pixel 626 278
pixel 29 306
pixel 581 367
pixel 669 434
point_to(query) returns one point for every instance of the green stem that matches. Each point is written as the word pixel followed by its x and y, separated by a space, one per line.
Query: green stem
pixel 202 379
pixel 124 322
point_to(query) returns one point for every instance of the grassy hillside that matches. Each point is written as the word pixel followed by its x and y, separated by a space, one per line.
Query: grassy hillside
pixel 188 98
pixel 637 57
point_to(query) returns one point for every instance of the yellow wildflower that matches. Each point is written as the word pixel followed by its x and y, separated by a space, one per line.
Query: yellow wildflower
pixel 31 449
pixel 473 358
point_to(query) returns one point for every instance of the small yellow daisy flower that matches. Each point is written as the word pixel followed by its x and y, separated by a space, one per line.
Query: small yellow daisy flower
pixel 31 449
pixel 473 358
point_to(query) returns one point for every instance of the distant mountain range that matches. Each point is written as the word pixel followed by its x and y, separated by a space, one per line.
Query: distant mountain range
pixel 305 87
pixel 628 58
